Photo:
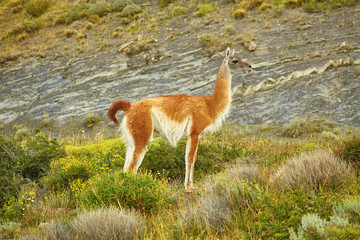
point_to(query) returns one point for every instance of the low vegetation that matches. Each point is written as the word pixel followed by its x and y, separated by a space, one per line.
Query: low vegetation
pixel 32 27
pixel 252 183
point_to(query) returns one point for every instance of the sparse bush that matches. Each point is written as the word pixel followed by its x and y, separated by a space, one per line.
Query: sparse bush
pixel 341 225
pixel 76 12
pixel 230 29
pixel 300 126
pixel 36 8
pixel 204 10
pixel 91 120
pixel 119 5
pixel 131 10
pixel 98 9
pixel 139 191
pixel 23 133
pixel 178 11
pixel 311 171
pixel 103 223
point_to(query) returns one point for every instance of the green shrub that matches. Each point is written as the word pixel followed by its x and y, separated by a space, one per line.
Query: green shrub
pixel 299 127
pixel 84 162
pixel 39 152
pixel 10 174
pixel 103 223
pixel 139 191
pixel 131 10
pixel 351 151
pixel 76 12
pixel 178 11
pixel 167 162
pixel 98 9
pixel 204 10
pixel 91 120
pixel 36 8
pixel 119 5
pixel 206 39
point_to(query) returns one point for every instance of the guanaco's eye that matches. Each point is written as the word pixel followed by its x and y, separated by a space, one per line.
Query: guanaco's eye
pixel 235 61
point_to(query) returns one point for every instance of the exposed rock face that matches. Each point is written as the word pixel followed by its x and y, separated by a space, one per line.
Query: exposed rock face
pixel 307 69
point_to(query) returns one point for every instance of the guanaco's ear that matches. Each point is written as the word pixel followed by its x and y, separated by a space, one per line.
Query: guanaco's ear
pixel 233 53
pixel 227 53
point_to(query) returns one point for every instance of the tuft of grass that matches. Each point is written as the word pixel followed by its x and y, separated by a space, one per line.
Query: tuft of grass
pixel 89 25
pixel 91 119
pixel 178 11
pixel 94 18
pixel 36 8
pixel 22 37
pixel 69 32
pixel 238 13
pixel 223 194
pixel 300 127
pixel 103 223
pixel 312 171
pixel 206 39
pixel 230 29
pixel 204 10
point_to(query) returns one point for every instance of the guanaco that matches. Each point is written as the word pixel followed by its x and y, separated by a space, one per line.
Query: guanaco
pixel 176 116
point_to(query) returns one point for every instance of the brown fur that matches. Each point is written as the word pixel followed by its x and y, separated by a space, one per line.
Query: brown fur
pixel 201 112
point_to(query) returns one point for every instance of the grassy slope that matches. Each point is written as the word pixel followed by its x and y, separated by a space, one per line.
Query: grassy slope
pixel 251 207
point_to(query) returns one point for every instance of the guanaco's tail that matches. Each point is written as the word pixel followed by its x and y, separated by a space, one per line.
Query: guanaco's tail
pixel 115 107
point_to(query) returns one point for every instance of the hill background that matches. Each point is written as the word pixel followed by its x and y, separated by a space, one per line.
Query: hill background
pixel 58 69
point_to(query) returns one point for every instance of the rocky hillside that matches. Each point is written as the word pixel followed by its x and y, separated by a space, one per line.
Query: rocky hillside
pixel 305 64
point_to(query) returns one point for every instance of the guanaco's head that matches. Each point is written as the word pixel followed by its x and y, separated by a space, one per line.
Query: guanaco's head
pixel 235 64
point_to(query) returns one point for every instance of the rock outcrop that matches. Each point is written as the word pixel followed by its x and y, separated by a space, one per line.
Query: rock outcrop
pixel 300 70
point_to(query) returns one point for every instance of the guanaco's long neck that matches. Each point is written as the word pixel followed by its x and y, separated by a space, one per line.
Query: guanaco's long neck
pixel 222 91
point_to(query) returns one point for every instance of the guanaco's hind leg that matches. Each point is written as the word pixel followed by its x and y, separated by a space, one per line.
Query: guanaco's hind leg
pixel 138 131
pixel 190 158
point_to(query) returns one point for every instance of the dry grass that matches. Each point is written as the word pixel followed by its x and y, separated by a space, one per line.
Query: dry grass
pixel 221 195
pixel 104 223
pixel 312 170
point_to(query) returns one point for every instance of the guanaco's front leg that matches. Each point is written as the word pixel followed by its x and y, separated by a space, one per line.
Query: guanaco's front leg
pixel 190 158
